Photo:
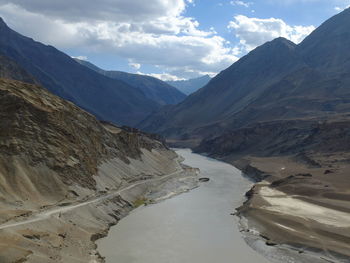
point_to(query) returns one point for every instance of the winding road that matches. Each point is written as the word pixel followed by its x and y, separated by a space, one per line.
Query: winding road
pixel 45 214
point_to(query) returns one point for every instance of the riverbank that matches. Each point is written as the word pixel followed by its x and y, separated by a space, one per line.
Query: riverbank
pixel 301 206
pixel 68 232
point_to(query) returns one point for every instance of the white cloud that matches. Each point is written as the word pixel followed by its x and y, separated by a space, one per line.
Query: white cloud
pixel 253 32
pixel 81 58
pixel 342 6
pixel 241 3
pixel 102 10
pixel 144 32
pixel 135 65
pixel 163 76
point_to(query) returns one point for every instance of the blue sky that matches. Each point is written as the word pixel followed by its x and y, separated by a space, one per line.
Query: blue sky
pixel 169 39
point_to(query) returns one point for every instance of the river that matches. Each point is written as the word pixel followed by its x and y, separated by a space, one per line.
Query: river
pixel 195 227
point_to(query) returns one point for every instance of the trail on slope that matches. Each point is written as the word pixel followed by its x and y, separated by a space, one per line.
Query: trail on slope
pixel 42 215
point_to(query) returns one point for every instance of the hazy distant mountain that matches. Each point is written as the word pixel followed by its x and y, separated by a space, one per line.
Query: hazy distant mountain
pixel 107 98
pixel 277 81
pixel 153 88
pixel 191 85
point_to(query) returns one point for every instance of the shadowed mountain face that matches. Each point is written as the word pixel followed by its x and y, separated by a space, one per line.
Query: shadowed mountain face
pixel 230 91
pixel 277 81
pixel 153 88
pixel 11 70
pixel 327 48
pixel 191 85
pixel 107 98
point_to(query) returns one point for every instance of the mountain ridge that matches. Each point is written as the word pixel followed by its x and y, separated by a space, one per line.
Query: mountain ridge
pixel 269 83
pixel 205 108
pixel 106 98
pixel 153 88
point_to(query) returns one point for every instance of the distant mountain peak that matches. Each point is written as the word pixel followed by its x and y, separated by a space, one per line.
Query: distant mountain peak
pixel 327 47
pixel 278 43
pixel 283 41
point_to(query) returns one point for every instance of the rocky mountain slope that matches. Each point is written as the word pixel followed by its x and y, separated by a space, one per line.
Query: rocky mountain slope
pixel 191 85
pixel 65 176
pixel 108 99
pixel 229 92
pixel 9 69
pixel 277 81
pixel 153 88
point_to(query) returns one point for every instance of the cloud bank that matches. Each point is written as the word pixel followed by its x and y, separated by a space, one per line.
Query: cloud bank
pixel 253 32
pixel 144 32
pixel 156 32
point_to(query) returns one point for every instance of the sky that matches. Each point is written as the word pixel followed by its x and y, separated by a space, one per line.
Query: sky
pixel 168 39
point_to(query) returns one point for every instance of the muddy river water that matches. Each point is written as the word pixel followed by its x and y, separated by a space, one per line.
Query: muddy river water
pixel 195 227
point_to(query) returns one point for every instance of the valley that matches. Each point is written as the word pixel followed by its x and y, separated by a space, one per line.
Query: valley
pixel 197 226
pixel 248 164
pixel 281 115
pixel 193 227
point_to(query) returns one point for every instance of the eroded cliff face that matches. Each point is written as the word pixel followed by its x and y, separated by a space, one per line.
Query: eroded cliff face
pixel 66 177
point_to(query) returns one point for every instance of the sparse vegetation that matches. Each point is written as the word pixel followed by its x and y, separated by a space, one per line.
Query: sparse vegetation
pixel 139 202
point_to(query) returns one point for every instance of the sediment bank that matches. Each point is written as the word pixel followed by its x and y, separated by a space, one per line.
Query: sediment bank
pixel 301 208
